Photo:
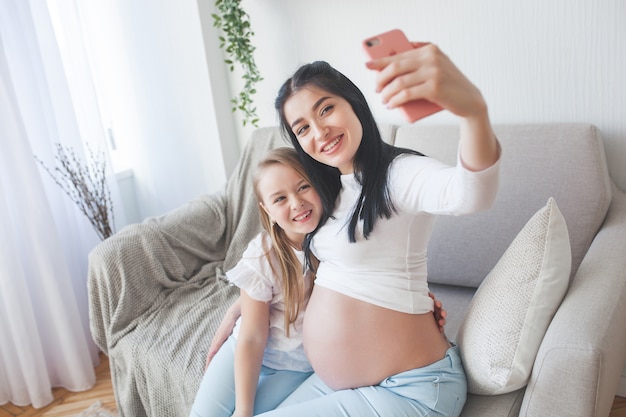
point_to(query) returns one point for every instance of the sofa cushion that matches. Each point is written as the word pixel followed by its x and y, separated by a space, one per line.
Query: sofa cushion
pixel 511 310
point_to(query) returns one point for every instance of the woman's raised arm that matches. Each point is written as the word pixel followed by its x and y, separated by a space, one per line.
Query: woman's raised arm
pixel 427 73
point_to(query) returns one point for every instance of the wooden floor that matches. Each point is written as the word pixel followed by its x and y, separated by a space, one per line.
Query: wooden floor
pixel 68 403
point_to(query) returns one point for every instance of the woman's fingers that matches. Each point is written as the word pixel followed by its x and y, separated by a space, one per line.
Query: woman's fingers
pixel 400 77
pixel 425 73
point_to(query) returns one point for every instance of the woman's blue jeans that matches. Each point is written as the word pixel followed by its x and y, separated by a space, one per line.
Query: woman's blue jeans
pixel 439 389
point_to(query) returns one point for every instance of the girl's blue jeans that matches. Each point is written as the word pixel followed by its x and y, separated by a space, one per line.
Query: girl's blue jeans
pixel 216 395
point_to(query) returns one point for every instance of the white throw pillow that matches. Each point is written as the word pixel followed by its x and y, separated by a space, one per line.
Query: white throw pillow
pixel 511 310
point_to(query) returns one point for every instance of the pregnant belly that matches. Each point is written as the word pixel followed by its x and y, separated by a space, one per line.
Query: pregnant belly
pixel 351 343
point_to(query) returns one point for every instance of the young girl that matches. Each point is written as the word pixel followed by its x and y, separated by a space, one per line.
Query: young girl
pixel 269 361
pixel 368 331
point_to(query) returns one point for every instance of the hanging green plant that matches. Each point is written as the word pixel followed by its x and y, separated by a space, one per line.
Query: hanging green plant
pixel 234 23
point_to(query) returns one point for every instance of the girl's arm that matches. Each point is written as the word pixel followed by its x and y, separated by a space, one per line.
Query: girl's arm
pixel 426 72
pixel 251 343
pixel 224 330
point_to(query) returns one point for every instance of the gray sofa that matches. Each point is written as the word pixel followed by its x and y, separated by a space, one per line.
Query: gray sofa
pixel 156 289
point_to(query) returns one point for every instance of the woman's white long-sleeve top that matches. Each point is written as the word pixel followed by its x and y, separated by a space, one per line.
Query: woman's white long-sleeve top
pixel 389 269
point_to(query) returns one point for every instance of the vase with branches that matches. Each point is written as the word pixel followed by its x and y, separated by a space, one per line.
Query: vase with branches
pixel 85 184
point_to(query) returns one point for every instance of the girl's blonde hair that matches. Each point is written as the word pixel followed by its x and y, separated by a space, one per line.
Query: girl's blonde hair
pixel 291 270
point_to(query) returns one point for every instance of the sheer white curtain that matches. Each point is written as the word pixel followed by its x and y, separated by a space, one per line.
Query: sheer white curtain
pixel 44 240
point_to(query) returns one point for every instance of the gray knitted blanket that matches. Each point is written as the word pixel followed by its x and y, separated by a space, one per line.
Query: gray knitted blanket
pixel 157 293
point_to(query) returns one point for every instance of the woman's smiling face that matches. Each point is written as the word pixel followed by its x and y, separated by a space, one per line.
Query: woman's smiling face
pixel 326 127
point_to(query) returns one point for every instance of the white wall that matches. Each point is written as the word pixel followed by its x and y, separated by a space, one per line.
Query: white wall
pixel 162 101
pixel 168 91
pixel 534 61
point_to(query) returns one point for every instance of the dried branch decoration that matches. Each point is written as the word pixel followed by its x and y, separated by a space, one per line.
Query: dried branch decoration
pixel 234 22
pixel 86 186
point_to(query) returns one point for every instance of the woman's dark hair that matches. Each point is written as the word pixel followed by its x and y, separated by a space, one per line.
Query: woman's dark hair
pixel 372 159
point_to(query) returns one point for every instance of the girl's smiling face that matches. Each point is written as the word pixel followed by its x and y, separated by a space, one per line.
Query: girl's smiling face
pixel 290 201
pixel 326 127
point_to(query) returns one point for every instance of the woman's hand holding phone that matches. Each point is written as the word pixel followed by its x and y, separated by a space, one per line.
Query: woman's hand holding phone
pixel 420 72
pixel 385 49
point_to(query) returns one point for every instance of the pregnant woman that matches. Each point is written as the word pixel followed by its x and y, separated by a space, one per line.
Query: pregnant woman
pixel 368 330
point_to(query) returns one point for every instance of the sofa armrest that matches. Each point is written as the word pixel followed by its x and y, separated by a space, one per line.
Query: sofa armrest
pixel 581 358
pixel 133 271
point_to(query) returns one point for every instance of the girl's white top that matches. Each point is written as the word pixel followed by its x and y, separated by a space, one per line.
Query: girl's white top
pixel 258 274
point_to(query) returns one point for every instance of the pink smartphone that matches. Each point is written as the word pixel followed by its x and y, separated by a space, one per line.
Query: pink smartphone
pixel 391 43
